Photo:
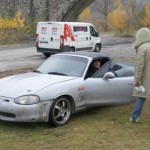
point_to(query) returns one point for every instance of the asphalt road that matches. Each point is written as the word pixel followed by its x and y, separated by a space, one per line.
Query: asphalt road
pixel 19 57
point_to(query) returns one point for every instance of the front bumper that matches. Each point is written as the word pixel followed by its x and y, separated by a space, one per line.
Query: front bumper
pixel 10 111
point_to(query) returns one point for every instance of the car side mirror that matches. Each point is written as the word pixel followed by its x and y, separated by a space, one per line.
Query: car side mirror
pixel 97 34
pixel 108 75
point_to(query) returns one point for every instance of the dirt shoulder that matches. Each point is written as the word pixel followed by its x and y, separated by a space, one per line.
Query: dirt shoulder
pixel 16 71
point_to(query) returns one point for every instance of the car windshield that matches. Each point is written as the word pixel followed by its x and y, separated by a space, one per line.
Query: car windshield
pixel 63 65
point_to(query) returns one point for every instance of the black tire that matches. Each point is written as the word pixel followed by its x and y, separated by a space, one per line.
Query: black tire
pixel 46 54
pixel 60 111
pixel 97 47
pixel 72 49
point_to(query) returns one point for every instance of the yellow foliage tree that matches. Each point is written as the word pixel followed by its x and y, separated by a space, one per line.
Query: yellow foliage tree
pixel 10 28
pixel 117 4
pixel 15 23
pixel 19 19
pixel 146 20
pixel 86 16
pixel 117 18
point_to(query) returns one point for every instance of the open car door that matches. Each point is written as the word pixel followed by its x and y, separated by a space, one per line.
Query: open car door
pixel 117 90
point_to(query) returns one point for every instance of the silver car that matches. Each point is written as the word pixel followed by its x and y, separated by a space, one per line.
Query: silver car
pixel 61 86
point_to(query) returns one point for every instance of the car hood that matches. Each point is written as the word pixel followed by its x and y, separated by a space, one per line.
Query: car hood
pixel 28 83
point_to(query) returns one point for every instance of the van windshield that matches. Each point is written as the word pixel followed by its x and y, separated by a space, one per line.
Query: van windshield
pixel 64 65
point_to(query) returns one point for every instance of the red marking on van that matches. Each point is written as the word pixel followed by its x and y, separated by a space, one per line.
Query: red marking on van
pixel 68 32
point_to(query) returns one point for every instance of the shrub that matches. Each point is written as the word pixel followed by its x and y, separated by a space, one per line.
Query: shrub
pixel 13 30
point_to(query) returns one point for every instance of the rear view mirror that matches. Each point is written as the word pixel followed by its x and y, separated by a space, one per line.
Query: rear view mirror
pixel 97 34
pixel 108 75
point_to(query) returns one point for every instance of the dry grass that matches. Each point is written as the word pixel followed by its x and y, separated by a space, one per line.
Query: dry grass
pixel 16 71
pixel 101 128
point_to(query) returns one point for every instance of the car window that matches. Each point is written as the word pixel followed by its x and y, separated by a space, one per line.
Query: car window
pixel 80 29
pixel 67 65
pixel 98 72
pixel 105 68
pixel 93 32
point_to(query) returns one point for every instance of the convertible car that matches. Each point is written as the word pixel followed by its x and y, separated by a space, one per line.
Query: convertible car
pixel 61 86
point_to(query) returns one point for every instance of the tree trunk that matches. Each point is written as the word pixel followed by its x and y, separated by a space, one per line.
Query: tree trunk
pixel 47 10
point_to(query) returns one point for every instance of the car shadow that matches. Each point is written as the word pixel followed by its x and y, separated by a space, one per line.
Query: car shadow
pixel 91 111
pixel 25 125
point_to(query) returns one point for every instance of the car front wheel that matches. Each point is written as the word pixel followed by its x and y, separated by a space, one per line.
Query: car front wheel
pixel 60 111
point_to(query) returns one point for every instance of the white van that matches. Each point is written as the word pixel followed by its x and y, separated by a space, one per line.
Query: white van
pixel 55 37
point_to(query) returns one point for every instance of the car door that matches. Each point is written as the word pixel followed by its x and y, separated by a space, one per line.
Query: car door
pixel 112 91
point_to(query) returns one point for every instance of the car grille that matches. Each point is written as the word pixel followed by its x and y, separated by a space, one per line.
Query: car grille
pixel 5 99
pixel 7 114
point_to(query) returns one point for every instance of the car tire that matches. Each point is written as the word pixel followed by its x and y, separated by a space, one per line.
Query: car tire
pixel 60 111
pixel 46 54
pixel 97 47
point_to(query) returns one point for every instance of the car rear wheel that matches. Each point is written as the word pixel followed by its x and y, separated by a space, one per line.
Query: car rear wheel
pixel 60 111
pixel 97 48
pixel 46 54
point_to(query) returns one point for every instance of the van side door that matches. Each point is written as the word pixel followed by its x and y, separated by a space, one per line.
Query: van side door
pixel 82 34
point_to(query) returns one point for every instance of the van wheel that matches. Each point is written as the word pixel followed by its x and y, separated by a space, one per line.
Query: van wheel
pixel 60 111
pixel 46 54
pixel 72 49
pixel 97 48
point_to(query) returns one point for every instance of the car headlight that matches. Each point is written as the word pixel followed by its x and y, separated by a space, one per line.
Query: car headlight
pixel 27 99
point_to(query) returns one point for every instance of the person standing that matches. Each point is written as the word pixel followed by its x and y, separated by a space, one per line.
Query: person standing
pixel 142 72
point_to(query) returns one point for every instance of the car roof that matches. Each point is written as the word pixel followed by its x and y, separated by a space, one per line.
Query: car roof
pixel 71 23
pixel 93 55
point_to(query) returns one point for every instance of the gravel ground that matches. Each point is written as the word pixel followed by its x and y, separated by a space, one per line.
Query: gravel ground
pixel 117 47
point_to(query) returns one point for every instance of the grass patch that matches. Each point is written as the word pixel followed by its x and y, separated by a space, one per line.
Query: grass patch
pixel 106 128
pixel 98 128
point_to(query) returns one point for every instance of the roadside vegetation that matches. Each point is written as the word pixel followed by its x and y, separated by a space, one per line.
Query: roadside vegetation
pixel 14 30
pixel 123 17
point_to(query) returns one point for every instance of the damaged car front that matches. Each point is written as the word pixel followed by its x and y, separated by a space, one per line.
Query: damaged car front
pixel 22 97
